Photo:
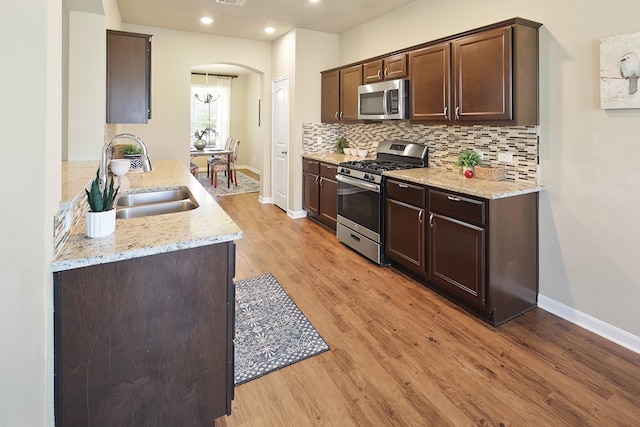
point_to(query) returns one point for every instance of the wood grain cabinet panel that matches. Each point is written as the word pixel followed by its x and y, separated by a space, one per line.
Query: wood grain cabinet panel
pixel 128 77
pixel 146 341
pixel 320 192
pixel 389 68
pixel 339 94
pixel 430 81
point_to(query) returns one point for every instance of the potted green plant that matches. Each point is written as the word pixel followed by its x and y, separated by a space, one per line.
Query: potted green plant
pixel 101 218
pixel 467 160
pixel 133 152
pixel 341 145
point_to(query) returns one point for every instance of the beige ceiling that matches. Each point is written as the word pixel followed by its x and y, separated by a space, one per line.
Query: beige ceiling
pixel 248 21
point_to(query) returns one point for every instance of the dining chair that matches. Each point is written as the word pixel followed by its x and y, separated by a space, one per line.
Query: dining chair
pixel 218 159
pixel 222 167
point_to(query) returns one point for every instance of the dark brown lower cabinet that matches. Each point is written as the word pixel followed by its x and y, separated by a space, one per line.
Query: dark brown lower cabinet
pixel 456 257
pixel 320 189
pixel 480 253
pixel 328 195
pixel 405 225
pixel 484 253
pixel 146 341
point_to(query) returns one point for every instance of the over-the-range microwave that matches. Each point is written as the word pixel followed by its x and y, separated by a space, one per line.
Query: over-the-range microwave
pixel 384 101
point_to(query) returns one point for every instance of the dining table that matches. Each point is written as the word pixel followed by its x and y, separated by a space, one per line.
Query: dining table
pixel 211 151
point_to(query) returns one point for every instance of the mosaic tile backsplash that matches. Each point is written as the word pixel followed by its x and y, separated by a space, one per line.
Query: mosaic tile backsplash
pixel 444 142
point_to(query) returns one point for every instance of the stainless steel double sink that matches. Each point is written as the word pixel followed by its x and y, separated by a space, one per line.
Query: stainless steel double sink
pixel 155 202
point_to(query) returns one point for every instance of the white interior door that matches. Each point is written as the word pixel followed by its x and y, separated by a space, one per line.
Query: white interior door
pixel 280 127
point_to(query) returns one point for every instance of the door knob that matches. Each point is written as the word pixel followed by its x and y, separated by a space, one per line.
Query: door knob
pixel 284 152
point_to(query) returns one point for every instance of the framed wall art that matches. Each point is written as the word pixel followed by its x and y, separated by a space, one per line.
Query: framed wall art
pixel 620 71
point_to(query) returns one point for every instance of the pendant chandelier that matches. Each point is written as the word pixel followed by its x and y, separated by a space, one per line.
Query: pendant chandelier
pixel 207 98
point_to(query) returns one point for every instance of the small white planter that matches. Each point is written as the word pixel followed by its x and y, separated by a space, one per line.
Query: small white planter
pixel 100 224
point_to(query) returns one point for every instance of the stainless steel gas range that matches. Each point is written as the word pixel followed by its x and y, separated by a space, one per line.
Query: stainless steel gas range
pixel 361 195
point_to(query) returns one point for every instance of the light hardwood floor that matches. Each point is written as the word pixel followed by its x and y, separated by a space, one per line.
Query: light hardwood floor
pixel 401 355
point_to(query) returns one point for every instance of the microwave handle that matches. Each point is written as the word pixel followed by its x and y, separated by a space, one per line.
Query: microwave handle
pixel 385 94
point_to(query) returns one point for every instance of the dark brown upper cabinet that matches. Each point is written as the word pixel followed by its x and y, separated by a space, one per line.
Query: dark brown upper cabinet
pixel 488 76
pixel 340 94
pixel 128 77
pixel 389 68
pixel 430 71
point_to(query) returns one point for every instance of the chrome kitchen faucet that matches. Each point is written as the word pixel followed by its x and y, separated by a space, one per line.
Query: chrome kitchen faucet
pixel 146 163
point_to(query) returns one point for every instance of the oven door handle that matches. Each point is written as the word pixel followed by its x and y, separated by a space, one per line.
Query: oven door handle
pixel 358 183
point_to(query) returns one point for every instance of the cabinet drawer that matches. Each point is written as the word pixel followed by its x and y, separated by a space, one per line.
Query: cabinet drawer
pixel 458 207
pixel 311 166
pixel 405 192
pixel 328 171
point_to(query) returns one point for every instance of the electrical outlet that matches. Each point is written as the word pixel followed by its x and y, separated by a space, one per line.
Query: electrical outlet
pixel 505 157
pixel 481 154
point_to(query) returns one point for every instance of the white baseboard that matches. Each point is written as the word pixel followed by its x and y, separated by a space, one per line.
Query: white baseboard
pixel 265 200
pixel 250 168
pixel 297 214
pixel 612 333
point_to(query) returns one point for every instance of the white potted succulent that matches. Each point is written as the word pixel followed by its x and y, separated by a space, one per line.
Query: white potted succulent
pixel 101 218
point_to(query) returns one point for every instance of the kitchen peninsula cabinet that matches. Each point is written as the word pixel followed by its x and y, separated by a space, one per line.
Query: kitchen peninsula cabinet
pixel 340 94
pixel 146 341
pixel 128 77
pixel 320 192
pixel 389 68
pixel 405 225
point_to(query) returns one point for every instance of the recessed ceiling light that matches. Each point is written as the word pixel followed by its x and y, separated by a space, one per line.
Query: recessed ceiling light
pixel 314 1
pixel 206 20
pixel 269 30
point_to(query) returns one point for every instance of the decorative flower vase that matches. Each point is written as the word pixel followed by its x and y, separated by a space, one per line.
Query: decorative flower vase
pixel 136 161
pixel 100 224
pixel 468 172
pixel 200 144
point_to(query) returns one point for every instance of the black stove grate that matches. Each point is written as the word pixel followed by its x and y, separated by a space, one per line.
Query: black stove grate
pixel 378 166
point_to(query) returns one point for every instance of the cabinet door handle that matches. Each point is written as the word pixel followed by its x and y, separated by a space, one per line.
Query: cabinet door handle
pixel 317 180
pixel 320 181
pixel 453 199
pixel 446 113
pixel 431 220
pixel 420 216
pixel 385 73
pixel 379 74
pixel 336 115
pixel 340 115
pixel 457 113
pixel 403 186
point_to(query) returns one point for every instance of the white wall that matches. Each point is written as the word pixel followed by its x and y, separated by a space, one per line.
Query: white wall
pixel 87 93
pixel 173 54
pixel 588 213
pixel 30 117
pixel 302 55
pixel 251 152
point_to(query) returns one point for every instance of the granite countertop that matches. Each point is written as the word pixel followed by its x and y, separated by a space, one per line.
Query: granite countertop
pixel 332 158
pixel 444 179
pixel 208 224
pixel 455 181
